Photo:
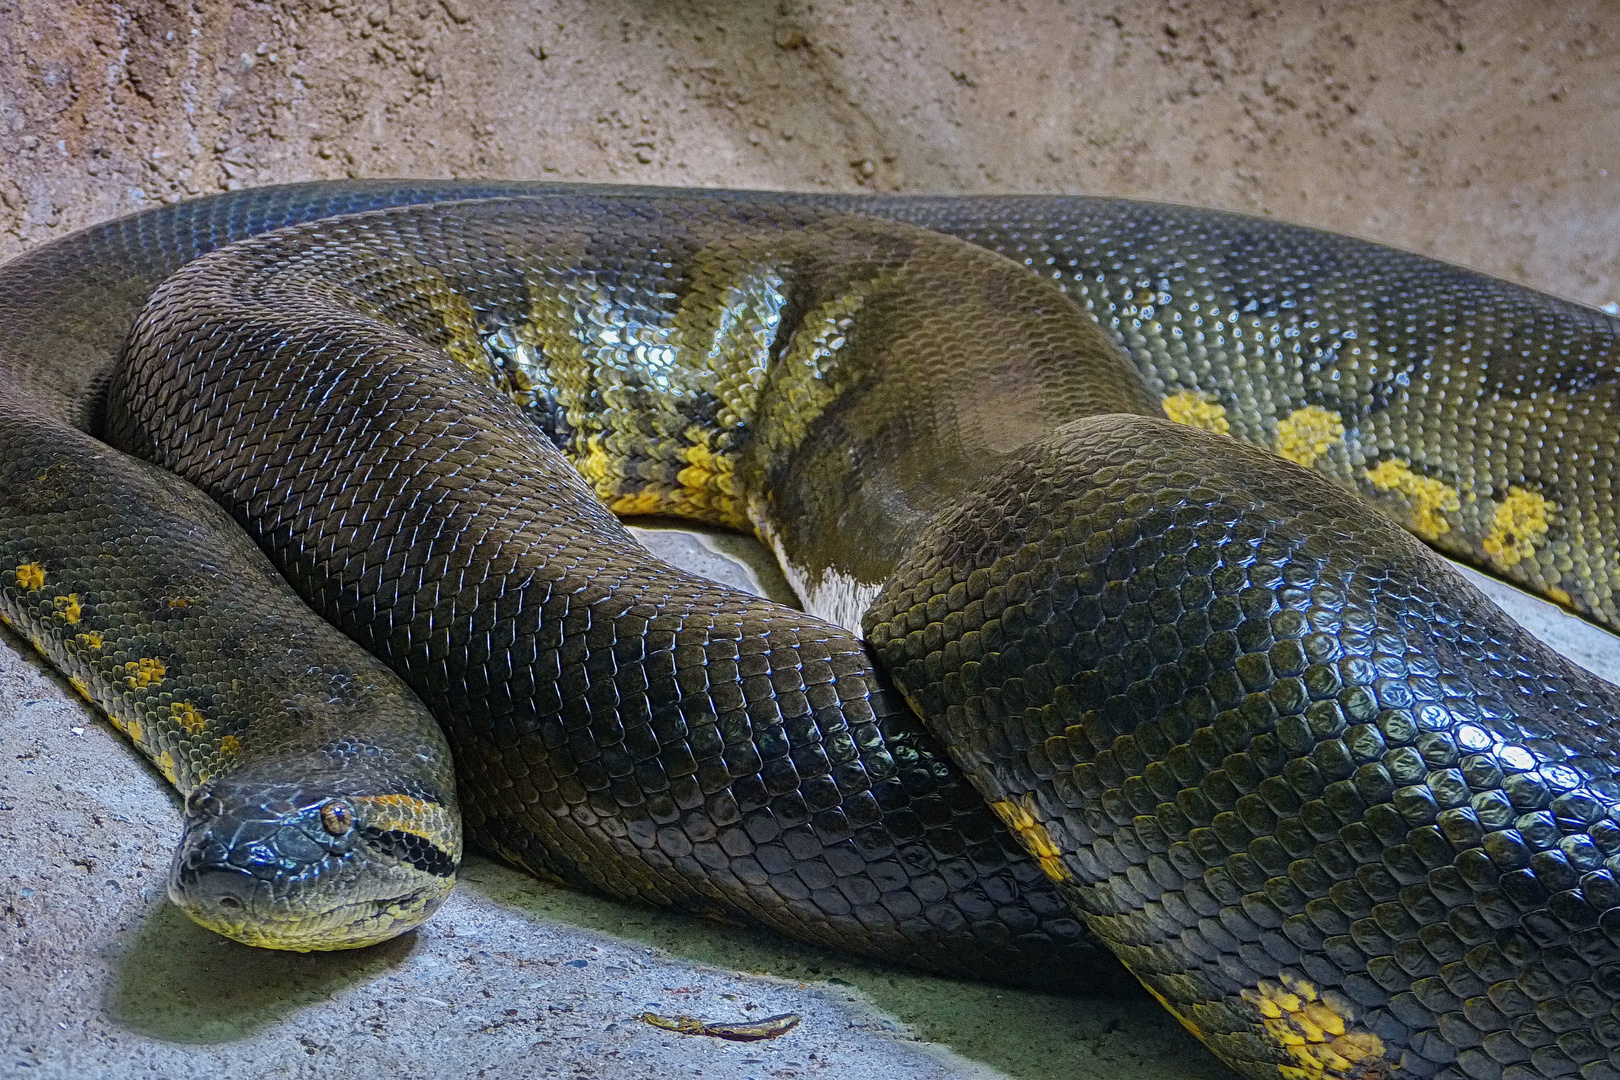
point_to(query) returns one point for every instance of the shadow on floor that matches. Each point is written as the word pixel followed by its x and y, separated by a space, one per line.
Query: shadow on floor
pixel 184 984
pixel 1024 1034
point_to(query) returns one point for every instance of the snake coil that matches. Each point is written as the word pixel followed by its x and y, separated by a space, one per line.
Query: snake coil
pixel 1197 703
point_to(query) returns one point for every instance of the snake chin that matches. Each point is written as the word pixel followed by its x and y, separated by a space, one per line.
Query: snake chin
pixel 284 866
pixel 216 903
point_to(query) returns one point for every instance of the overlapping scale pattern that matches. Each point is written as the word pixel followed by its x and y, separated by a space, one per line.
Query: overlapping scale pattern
pixel 1336 810
pixel 617 723
pixel 1344 823
pixel 1470 409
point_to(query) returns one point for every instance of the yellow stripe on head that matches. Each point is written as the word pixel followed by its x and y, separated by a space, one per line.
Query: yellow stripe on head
pixel 403 813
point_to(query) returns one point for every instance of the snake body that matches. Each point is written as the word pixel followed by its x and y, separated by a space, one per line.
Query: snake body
pixel 1200 704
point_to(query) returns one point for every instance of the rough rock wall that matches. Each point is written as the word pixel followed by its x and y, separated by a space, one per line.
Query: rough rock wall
pixel 1484 132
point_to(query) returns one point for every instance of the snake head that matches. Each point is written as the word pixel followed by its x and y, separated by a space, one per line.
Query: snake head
pixel 322 862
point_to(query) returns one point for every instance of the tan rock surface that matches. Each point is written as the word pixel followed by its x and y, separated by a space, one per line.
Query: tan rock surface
pixel 1478 132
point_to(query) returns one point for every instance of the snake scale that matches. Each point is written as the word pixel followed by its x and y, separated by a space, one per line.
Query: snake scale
pixel 1196 702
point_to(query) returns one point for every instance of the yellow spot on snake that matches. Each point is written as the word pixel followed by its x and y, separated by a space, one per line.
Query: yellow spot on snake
pixel 1315 1031
pixel 709 481
pixel 186 715
pixel 646 502
pixel 1520 527
pixel 147 671
pixel 230 746
pixel 180 601
pixel 597 466
pixel 133 729
pixel 1430 498
pixel 1306 434
pixel 69 607
pixel 90 639
pixel 811 374
pixel 1192 410
pixel 78 683
pixel 165 764
pixel 30 576
pixel 704 465
pixel 1560 596
pixel 460 324
pixel 402 812
pixel 1034 837
pixel 1192 1029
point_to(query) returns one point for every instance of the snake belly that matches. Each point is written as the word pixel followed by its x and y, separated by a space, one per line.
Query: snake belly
pixel 1326 803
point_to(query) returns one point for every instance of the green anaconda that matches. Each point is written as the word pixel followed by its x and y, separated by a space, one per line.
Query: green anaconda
pixel 1069 672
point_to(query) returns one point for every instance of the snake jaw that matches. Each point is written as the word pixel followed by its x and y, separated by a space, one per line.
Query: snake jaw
pixel 261 864
pixel 219 902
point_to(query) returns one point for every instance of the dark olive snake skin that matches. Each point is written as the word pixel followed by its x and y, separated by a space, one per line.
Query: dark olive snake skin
pixel 1330 807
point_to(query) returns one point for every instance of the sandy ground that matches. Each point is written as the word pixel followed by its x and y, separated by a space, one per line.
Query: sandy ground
pixel 1485 133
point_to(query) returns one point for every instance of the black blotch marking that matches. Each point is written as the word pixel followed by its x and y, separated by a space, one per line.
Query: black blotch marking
pixel 420 852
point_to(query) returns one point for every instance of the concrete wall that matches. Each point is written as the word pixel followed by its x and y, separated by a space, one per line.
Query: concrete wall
pixel 1485 132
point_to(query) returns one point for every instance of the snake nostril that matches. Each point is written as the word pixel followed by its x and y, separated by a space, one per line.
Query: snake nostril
pixel 230 902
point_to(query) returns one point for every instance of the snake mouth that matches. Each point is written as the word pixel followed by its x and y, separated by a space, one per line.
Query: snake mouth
pixel 301 871
pixel 237 905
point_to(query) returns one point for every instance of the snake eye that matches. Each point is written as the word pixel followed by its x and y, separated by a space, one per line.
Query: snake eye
pixel 337 817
